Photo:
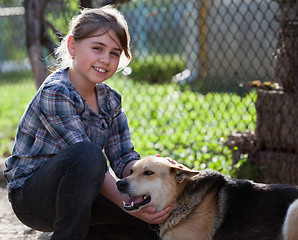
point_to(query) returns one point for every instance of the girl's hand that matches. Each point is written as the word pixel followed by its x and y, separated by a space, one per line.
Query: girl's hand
pixel 147 214
pixel 151 216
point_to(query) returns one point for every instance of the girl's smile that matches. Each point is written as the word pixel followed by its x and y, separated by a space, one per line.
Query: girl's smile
pixel 99 70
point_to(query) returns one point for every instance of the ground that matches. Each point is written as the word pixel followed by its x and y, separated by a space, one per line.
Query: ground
pixel 10 227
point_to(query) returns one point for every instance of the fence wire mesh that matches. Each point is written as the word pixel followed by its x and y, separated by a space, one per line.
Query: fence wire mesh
pixel 189 84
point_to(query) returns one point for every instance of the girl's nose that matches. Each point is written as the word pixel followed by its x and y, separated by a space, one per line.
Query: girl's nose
pixel 104 58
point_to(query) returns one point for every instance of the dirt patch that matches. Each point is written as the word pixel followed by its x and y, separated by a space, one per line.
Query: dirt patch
pixel 10 227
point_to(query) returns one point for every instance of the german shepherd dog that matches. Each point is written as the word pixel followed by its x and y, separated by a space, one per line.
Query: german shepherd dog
pixel 208 205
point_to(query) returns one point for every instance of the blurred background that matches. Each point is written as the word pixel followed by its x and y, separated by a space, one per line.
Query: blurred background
pixel 212 84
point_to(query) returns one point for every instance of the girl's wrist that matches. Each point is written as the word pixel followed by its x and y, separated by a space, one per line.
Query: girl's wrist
pixel 127 168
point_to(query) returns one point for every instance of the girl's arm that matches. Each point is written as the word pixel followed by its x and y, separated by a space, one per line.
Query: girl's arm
pixel 147 214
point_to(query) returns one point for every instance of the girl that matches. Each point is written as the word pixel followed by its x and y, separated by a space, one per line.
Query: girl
pixel 57 176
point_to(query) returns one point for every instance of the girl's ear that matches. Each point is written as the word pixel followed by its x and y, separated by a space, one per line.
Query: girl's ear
pixel 71 46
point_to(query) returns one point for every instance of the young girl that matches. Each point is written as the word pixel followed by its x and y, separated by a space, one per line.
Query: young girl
pixel 57 176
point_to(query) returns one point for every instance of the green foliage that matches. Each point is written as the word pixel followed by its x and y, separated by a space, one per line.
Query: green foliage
pixel 10 3
pixel 164 119
pixel 185 125
pixel 13 102
pixel 156 68
pixel 61 19
pixel 12 38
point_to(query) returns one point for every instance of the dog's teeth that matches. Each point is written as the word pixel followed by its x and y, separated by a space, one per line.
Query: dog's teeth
pixel 132 204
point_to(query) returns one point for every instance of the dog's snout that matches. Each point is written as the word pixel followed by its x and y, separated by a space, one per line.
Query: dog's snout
pixel 122 185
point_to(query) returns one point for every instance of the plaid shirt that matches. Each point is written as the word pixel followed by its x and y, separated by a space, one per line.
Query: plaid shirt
pixel 57 117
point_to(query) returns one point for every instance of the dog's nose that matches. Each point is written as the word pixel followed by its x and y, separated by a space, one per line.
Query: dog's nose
pixel 122 185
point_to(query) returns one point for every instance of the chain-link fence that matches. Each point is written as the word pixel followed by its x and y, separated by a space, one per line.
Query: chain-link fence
pixel 190 82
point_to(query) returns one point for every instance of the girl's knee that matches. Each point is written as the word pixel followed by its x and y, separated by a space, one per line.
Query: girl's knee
pixel 89 157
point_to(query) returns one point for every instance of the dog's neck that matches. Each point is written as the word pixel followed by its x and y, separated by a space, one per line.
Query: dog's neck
pixel 191 196
pixel 181 209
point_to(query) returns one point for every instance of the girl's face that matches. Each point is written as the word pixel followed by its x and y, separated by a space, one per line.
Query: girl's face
pixel 96 58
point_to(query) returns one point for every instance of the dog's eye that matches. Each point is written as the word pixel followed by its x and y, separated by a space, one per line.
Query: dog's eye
pixel 148 173
pixel 130 171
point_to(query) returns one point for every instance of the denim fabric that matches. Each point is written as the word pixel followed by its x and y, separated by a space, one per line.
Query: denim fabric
pixel 116 224
pixel 60 195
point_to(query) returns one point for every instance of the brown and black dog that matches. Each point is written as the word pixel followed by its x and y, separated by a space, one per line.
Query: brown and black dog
pixel 210 206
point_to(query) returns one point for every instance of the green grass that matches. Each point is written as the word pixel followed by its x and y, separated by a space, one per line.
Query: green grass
pixel 163 119
pixel 13 102
pixel 185 125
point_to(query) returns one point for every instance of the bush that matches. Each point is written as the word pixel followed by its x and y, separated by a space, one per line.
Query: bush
pixel 156 68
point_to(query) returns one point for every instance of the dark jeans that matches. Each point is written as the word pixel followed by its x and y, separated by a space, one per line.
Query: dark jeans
pixel 63 197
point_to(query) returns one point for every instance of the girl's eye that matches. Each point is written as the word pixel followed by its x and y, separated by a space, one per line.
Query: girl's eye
pixel 115 54
pixel 148 173
pixel 130 171
pixel 97 48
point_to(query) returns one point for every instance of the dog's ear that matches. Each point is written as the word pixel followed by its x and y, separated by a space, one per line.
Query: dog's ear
pixel 182 173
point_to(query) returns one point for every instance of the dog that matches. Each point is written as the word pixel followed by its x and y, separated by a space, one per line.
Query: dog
pixel 209 205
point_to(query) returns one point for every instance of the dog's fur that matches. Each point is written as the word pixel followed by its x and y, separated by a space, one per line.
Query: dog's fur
pixel 209 205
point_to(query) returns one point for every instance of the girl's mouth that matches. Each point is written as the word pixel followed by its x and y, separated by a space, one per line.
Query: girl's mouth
pixel 101 70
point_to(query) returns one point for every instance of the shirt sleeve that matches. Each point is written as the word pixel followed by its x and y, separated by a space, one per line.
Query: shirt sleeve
pixel 119 147
pixel 60 113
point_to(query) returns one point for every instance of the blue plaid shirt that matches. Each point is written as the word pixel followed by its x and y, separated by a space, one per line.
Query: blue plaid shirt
pixel 57 117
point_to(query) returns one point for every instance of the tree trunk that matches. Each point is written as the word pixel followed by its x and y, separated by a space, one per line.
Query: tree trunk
pixel 286 55
pixel 277 114
pixel 34 23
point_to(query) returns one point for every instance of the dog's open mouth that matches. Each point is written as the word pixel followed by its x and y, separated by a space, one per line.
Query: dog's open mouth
pixel 135 202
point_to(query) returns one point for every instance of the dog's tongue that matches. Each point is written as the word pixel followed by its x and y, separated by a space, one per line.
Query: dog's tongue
pixel 135 202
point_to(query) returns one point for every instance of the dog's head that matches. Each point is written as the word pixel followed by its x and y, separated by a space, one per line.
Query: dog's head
pixel 154 181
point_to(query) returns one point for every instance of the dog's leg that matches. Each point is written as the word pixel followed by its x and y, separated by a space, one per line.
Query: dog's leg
pixel 290 229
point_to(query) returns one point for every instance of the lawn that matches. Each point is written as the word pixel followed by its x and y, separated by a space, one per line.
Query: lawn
pixel 14 100
pixel 185 125
pixel 164 119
